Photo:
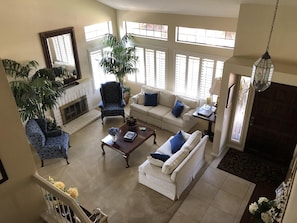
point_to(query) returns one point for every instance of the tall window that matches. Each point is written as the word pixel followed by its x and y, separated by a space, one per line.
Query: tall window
pixel 63 49
pixel 149 30
pixel 151 67
pixel 194 75
pixel 99 75
pixel 98 30
pixel 208 37
pixel 240 109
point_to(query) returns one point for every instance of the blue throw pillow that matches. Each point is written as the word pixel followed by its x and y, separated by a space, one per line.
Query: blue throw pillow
pixel 176 142
pixel 160 156
pixel 178 108
pixel 150 99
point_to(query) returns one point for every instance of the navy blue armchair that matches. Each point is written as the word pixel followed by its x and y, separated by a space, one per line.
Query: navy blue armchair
pixel 112 103
pixel 48 146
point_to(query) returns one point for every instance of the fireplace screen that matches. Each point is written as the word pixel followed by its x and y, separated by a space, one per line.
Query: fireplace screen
pixel 74 109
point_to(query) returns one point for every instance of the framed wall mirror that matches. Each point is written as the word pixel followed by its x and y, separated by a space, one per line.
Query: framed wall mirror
pixel 60 51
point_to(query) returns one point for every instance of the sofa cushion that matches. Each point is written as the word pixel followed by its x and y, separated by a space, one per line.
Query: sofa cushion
pixel 193 140
pixel 165 148
pixel 187 101
pixel 178 108
pixel 155 162
pixel 158 112
pixel 150 99
pixel 167 99
pixel 140 108
pixel 160 156
pixel 185 110
pixel 176 142
pixel 174 161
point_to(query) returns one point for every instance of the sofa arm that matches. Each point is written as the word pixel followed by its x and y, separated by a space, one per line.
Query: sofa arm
pixel 134 98
pixel 187 116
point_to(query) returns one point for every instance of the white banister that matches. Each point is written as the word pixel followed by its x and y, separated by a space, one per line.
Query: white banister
pixel 63 208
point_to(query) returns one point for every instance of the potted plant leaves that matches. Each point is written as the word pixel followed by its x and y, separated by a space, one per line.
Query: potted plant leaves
pixel 120 59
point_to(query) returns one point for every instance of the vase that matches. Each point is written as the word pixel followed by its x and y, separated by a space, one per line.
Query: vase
pixel 114 138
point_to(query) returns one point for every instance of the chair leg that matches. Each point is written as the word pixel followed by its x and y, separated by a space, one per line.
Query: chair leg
pixel 41 163
pixel 67 160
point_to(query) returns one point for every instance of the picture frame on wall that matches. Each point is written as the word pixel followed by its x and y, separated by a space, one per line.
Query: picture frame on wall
pixel 3 175
pixel 230 96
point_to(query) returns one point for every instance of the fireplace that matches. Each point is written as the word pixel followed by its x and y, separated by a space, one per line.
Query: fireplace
pixel 74 109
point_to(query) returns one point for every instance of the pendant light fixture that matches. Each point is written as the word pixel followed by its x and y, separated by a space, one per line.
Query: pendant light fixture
pixel 263 68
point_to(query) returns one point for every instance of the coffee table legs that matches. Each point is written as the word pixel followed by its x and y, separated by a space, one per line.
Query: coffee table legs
pixel 126 156
pixel 103 151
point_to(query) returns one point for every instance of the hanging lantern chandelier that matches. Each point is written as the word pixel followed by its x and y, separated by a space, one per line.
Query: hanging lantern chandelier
pixel 263 68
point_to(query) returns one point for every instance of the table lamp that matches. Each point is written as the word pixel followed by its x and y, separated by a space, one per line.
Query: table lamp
pixel 215 89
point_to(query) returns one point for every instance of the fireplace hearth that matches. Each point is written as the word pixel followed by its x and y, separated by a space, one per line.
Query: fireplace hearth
pixel 74 109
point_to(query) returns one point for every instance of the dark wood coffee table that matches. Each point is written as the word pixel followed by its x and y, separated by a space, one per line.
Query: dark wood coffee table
pixel 125 148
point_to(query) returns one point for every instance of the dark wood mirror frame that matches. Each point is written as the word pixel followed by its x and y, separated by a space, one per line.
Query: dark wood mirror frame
pixel 48 34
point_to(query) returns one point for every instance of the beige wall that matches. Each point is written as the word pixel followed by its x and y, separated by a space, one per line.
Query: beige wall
pixel 254 26
pixel 21 21
pixel 19 195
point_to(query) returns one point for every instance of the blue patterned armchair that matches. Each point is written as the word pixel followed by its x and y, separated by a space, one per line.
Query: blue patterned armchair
pixel 112 103
pixel 48 146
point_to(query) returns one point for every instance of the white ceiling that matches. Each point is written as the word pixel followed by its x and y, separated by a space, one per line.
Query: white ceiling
pixel 220 8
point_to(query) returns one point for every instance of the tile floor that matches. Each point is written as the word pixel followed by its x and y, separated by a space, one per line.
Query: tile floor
pixel 217 197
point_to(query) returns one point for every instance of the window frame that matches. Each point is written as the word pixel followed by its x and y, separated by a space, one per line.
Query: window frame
pixel 206 40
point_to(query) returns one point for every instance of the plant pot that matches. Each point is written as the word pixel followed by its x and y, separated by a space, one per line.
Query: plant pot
pixel 126 96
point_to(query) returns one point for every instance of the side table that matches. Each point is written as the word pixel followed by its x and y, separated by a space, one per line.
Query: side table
pixel 211 119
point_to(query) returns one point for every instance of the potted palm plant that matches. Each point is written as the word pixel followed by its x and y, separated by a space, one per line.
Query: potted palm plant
pixel 120 59
pixel 34 91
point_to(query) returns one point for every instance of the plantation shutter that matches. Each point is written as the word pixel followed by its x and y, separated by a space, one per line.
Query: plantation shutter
pixel 193 75
pixel 160 69
pixel 98 73
pixel 63 49
pixel 150 67
pixel 139 76
pixel 180 73
pixel 206 76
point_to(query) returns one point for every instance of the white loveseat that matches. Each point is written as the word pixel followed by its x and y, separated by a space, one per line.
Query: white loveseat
pixel 161 115
pixel 173 176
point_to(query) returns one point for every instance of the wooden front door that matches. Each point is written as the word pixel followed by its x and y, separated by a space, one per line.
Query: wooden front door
pixel 272 131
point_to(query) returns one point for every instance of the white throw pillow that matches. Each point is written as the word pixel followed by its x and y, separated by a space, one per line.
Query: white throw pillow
pixel 174 161
pixel 140 99
pixel 155 162
pixel 193 140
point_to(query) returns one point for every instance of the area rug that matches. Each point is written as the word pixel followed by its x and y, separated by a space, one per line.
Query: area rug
pixel 253 168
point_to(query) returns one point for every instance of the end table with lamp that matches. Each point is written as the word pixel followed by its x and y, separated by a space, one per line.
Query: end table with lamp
pixel 207 113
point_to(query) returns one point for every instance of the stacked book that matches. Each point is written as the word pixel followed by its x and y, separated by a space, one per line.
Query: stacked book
pixel 130 136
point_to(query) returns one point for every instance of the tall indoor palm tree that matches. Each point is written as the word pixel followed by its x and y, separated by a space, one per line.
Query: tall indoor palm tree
pixel 121 58
pixel 34 93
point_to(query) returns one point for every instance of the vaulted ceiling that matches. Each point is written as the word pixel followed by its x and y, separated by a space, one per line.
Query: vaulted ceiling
pixel 219 8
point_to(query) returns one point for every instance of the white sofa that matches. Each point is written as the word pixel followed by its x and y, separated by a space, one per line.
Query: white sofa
pixel 173 176
pixel 161 115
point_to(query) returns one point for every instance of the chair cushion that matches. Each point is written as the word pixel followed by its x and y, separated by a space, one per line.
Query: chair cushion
pixel 150 99
pixel 176 142
pixel 178 108
pixel 174 161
